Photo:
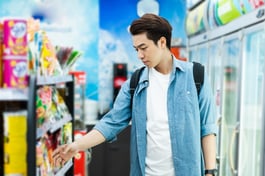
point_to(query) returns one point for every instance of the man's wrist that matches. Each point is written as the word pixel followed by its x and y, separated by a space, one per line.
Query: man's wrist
pixel 212 172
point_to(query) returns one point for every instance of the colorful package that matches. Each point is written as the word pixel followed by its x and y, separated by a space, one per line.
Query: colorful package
pixel 33 26
pixel 15 73
pixel 15 37
pixel 49 63
pixel 15 143
pixel 43 104
pixel 1 53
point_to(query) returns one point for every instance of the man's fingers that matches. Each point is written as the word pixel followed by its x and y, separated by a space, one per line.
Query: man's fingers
pixel 66 149
pixel 57 161
pixel 56 155
pixel 57 151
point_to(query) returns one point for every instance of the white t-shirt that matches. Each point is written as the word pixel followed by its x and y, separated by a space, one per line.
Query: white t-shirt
pixel 159 160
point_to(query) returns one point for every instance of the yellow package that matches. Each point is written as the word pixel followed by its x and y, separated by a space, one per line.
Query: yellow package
pixel 15 163
pixel 49 63
pixel 67 133
pixel 16 144
pixel 13 120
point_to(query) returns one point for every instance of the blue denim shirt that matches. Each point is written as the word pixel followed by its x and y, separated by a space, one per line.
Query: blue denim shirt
pixel 190 118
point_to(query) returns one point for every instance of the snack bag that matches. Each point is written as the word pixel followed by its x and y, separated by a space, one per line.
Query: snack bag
pixel 33 26
pixel 43 104
pixel 15 37
pixel 48 60
pixel 15 73
pixel 34 50
pixel 1 53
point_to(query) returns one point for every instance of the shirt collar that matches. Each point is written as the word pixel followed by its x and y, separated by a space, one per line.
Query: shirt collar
pixel 177 64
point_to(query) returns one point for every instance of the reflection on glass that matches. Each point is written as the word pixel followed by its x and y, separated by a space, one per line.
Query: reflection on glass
pixel 229 122
pixel 251 105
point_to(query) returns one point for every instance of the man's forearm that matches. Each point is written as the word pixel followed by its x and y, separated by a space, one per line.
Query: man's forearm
pixel 89 140
pixel 209 151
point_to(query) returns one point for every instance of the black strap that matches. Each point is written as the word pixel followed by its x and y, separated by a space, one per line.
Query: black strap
pixel 134 81
pixel 198 74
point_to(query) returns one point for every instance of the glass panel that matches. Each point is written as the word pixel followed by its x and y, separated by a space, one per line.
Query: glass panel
pixel 192 54
pixel 251 105
pixel 199 54
pixel 215 69
pixel 230 54
pixel 202 55
pixel 215 75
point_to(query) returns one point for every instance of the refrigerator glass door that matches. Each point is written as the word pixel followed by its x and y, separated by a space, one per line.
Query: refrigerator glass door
pixel 215 76
pixel 199 53
pixel 231 55
pixel 251 106
pixel 192 53
pixel 202 55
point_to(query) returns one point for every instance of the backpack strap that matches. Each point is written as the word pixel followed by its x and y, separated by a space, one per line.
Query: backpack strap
pixel 134 81
pixel 198 74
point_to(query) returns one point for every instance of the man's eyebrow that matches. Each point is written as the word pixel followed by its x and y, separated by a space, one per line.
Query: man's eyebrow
pixel 142 44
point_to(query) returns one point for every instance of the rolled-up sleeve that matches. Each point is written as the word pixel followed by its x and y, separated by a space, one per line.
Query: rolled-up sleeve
pixel 118 117
pixel 207 109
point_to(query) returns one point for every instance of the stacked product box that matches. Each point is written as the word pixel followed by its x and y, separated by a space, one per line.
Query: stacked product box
pixel 1 51
pixel 15 145
pixel 14 60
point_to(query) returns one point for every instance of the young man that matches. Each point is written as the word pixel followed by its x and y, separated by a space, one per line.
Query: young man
pixel 172 128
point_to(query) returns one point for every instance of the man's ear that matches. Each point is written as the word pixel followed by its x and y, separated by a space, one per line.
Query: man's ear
pixel 163 42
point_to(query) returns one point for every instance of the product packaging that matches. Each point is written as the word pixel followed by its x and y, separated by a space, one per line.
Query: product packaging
pixel 15 143
pixel 15 37
pixel 15 72
pixel 1 53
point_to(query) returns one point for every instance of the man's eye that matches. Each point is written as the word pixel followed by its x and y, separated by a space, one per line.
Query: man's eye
pixel 144 48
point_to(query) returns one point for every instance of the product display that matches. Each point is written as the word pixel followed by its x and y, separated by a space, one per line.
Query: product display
pixel 50 107
pixel 54 118
pixel 30 62
pixel 46 145
pixel 26 50
pixel 14 56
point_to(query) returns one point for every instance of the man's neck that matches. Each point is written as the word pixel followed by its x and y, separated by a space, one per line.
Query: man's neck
pixel 165 66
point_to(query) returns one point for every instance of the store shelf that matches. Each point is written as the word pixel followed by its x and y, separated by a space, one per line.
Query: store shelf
pixel 52 127
pixel 60 123
pixel 44 80
pixel 65 168
pixel 13 94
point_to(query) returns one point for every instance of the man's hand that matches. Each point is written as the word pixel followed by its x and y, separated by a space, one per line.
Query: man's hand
pixel 64 153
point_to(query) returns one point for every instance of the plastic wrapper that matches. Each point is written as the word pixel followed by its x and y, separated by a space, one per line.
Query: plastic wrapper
pixel 48 60
pixel 15 72
pixel 15 37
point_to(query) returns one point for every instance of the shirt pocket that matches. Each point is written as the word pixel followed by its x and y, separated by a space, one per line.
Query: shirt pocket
pixel 186 101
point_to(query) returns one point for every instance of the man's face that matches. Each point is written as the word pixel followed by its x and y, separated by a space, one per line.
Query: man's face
pixel 147 50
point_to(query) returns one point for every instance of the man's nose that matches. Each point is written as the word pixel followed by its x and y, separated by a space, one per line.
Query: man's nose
pixel 140 54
